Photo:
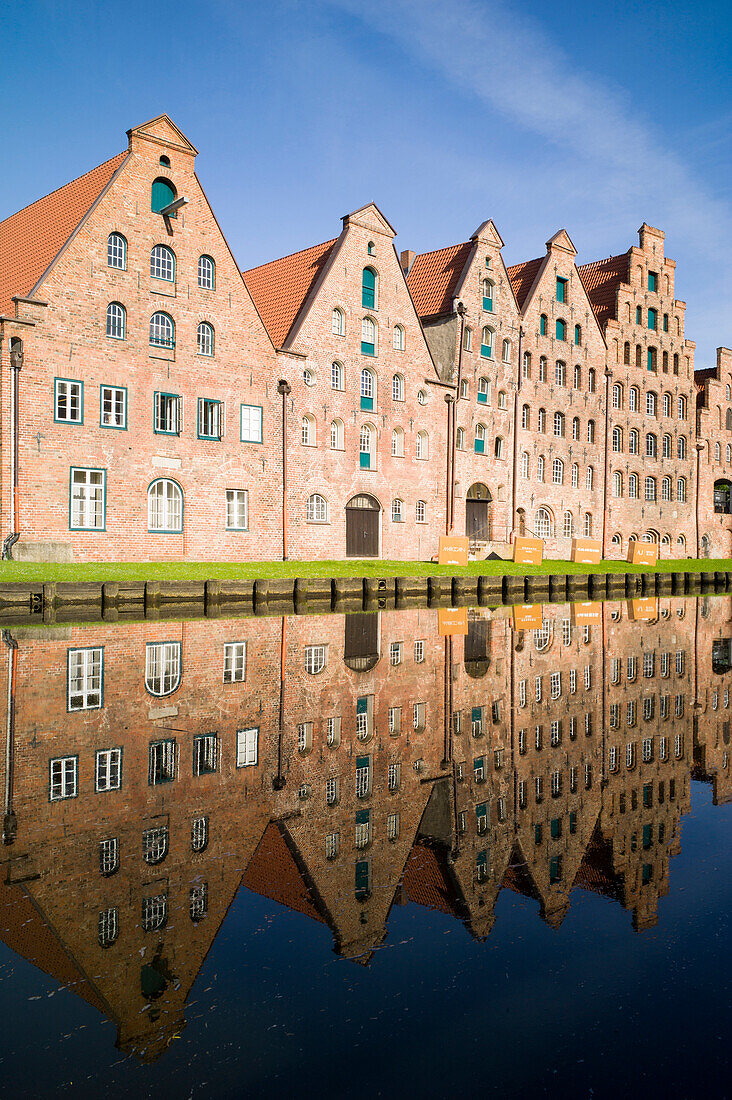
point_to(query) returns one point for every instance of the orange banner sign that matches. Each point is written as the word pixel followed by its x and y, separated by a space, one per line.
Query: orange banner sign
pixel 528 551
pixel 527 616
pixel 586 613
pixel 642 553
pixel 452 620
pixel 453 550
pixel 643 609
pixel 588 551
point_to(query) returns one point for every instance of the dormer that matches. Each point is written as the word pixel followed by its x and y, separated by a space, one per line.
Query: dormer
pixel 561 243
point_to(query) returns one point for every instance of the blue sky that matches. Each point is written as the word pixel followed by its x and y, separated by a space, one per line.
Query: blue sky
pixel 590 117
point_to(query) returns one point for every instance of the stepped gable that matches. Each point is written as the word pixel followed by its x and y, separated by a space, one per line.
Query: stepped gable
pixel 280 288
pixel 31 239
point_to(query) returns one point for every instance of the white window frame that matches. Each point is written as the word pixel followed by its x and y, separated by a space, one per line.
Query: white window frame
pixel 85 678
pixel 235 662
pixel 108 770
pixel 247 747
pixel 63 778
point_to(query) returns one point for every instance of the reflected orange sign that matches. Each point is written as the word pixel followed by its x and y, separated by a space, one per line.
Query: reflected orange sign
pixel 453 550
pixel 586 613
pixel 527 616
pixel 528 551
pixel 643 609
pixel 588 551
pixel 642 553
pixel 452 620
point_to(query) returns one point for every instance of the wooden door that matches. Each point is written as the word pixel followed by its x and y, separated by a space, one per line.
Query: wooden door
pixel 477 521
pixel 362 528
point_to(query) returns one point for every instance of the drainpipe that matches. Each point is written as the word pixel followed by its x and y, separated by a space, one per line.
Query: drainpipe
pixel 514 477
pixel 449 401
pixel 10 822
pixel 16 362
pixel 699 449
pixel 461 311
pixel 608 375
pixel 279 780
pixel 283 388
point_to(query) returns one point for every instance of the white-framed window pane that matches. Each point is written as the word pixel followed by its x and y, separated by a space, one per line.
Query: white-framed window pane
pixel 87 499
pixel 68 401
pixel 316 509
pixel 162 667
pixel 116 251
pixel 237 509
pixel 85 678
pixel 205 339
pixel 314 659
pixel 113 407
pixel 63 778
pixel 235 662
pixel 206 272
pixel 199 834
pixel 108 926
pixel 167 413
pixel 161 331
pixel 161 762
pixel 247 742
pixel 108 856
pixel 165 506
pixel 116 318
pixel 205 754
pixel 162 263
pixel 251 423
pixel 155 845
pixel 154 912
pixel 109 770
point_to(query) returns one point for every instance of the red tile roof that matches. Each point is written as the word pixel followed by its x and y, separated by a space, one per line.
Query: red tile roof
pixel 426 880
pixel 273 873
pixel 434 276
pixel 522 276
pixel 280 287
pixel 601 280
pixel 32 238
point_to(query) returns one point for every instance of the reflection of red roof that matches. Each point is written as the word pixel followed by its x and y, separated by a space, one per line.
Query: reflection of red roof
pixel 601 280
pixel 426 880
pixel 280 288
pixel 32 238
pixel 434 277
pixel 24 930
pixel 273 873
pixel 522 277
pixel 596 869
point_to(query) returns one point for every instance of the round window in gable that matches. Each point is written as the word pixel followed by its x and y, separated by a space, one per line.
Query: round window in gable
pixel 165 161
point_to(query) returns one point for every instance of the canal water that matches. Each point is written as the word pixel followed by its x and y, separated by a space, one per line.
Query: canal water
pixel 420 852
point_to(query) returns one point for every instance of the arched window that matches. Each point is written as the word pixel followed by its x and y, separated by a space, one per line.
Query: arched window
pixel 524 464
pixel 575 475
pixel 591 379
pixel 681 490
pixel 681 446
pixel 681 542
pixel 498 447
pixel 540 462
pixel 117 251
pixel 366 446
pixel 568 525
pixel 616 540
pixel 667 406
pixel 557 471
pixel 626 353
pixel 559 424
pixel 460 439
pixel 634 399
pixel 728 420
pixel 116 321
pixel 652 363
pixel 307 431
pixel 165 506
pixel 590 478
pixel 728 452
pixel 338 322
pixel 506 351
pixel 676 354
pixel 560 373
pixel 397 387
pixel 590 431
pixel 162 194
pixel 666 488
pixel 420 512
pixel 368 336
pixel 728 392
pixel 561 329
pixel 162 667
pixel 368 288
pixel 578 335
pixel 682 407
pixel 525 416
pixel 162 331
pixel 206 273
pixel 526 368
pixel 155 845
pixel 650 488
pixel 422 446
pixel 368 388
pixel 484 390
pixel 617 396
pixel 162 263
pixel 399 338
pixel 543 324
pixel 316 509
pixel 666 446
pixel 397 443
pixel 633 486
pixel 578 378
pixel 468 339
pixel 651 446
pixel 587 525
pixel 617 439
pixel 651 403
pixel 542 420
pixel 108 926
pixel 575 428
pixel 336 435
pixel 488 295
pixel 480 439
pixel 653 319
pixel 638 355
pixel 486 343
pixel 633 441
pixel 205 338
pixel 544 524
pixel 542 368
pixel 502 399
pixel 664 361
pixel 336 376
pixel 397 511
pixel 617 484
pixel 717 452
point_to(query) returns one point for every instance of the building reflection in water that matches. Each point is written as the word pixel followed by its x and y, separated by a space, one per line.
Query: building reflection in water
pixel 340 765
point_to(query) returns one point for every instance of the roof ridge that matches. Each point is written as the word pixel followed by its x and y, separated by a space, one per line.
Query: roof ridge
pixel 522 263
pixel 68 183
pixel 606 260
pixel 445 247
pixel 289 255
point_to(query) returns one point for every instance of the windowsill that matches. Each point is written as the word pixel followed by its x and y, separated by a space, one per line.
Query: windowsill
pixel 237 531
pixel 318 522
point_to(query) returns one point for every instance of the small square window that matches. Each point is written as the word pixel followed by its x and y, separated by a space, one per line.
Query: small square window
pixel 68 401
pixel 251 424
pixel 113 407
pixel 235 662
pixel 247 743
pixel 237 509
pixel 210 418
pixel 64 770
pixel 109 770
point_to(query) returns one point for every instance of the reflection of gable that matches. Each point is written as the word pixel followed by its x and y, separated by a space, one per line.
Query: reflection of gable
pixel 275 871
pixel 428 880
pixel 596 869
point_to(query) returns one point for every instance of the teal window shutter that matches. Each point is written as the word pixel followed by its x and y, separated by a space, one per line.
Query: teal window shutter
pixel 477 714
pixel 364 460
pixel 367 348
pixel 163 193
pixel 362 704
pixel 652 319
pixel 647 873
pixel 362 880
pixel 647 794
pixel 362 761
pixel 479 446
pixel 542 324
pixel 556 827
pixel 561 290
pixel 537 834
pixel 639 315
pixel 363 817
pixel 555 872
pixel 573 821
pixel 561 330
pixel 652 280
pixel 647 836
pixel 367 403
pixel 481 810
pixel 368 288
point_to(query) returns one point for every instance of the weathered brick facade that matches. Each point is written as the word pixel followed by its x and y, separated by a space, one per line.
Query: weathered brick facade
pixel 156 379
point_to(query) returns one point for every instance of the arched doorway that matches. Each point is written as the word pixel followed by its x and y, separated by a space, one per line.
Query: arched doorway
pixel 722 494
pixel 478 515
pixel 361 643
pixel 362 527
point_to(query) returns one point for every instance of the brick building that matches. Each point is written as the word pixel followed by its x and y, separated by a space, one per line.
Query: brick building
pixel 714 455
pixel 158 404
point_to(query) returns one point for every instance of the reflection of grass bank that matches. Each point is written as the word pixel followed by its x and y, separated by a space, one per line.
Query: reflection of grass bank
pixel 36 572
